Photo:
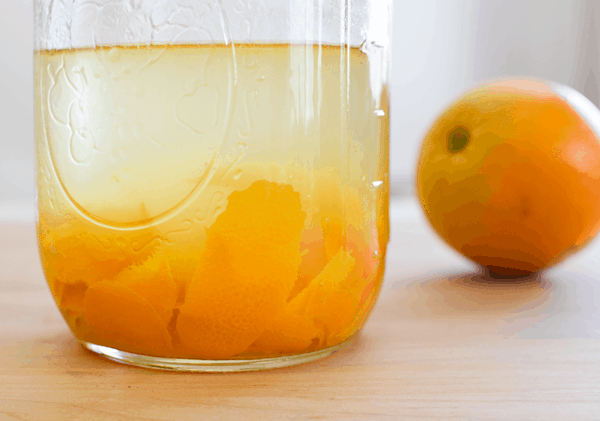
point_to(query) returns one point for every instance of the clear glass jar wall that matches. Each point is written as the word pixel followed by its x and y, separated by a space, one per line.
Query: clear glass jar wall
pixel 212 175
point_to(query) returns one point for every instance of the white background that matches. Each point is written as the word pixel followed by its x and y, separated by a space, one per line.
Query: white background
pixel 440 48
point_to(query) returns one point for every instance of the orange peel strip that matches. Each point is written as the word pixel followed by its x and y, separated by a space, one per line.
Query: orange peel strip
pixel 152 280
pixel 291 333
pixel 246 274
pixel 118 315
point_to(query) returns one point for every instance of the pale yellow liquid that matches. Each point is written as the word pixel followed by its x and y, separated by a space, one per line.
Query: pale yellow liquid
pixel 139 150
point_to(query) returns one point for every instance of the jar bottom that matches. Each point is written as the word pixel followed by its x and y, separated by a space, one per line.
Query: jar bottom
pixel 211 366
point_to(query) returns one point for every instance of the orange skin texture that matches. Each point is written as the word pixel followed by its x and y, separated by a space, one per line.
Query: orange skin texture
pixel 251 264
pixel 263 282
pixel 119 315
pixel 324 307
pixel 524 193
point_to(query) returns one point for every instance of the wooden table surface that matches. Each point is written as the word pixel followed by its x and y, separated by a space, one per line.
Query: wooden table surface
pixel 443 343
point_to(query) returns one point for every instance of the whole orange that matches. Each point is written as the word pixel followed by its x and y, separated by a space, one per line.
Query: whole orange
pixel 509 175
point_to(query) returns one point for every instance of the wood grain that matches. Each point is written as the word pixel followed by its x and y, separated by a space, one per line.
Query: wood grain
pixel 443 343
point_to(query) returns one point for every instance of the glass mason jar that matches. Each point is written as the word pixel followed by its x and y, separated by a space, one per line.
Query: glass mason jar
pixel 212 175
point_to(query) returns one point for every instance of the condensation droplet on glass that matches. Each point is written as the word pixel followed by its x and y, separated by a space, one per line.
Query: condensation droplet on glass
pixel 379 113
pixel 364 178
pixel 237 174
pixel 377 183
pixel 260 78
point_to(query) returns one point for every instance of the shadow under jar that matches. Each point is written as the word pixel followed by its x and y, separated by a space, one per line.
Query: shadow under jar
pixel 212 176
